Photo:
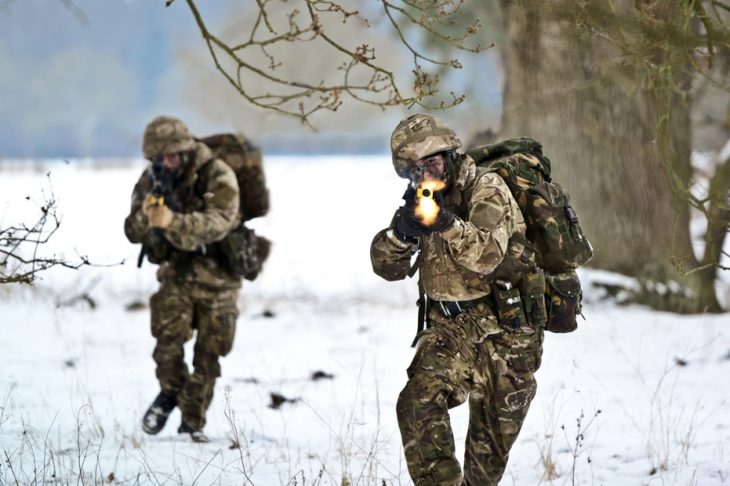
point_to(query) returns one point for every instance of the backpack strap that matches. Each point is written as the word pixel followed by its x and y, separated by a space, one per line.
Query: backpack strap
pixel 423 302
pixel 202 179
pixel 414 268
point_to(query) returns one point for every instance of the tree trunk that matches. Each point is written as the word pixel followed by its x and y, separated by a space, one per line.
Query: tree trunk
pixel 717 227
pixel 598 119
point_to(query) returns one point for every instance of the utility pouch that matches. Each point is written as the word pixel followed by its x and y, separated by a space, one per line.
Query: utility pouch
pixel 563 296
pixel 243 252
pixel 510 313
pixel 532 289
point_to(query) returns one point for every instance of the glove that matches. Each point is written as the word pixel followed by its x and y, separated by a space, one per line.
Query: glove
pixel 443 221
pixel 410 195
pixel 407 226
pixel 158 216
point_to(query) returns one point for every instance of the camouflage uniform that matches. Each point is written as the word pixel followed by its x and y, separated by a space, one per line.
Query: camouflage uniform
pixel 196 292
pixel 469 355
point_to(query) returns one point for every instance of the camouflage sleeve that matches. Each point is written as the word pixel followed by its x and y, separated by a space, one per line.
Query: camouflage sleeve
pixel 189 231
pixel 135 225
pixel 390 257
pixel 479 243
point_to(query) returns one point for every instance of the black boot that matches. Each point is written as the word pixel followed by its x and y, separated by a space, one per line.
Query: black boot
pixel 195 434
pixel 156 416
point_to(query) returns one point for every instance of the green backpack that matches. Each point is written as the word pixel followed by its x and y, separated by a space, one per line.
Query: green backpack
pixel 243 251
pixel 553 230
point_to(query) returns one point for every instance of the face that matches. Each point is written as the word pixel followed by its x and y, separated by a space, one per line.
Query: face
pixel 428 168
pixel 171 162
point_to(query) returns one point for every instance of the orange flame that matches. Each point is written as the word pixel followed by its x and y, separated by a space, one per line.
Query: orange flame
pixel 426 207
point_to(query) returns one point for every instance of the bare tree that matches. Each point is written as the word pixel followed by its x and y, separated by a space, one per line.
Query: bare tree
pixel 255 52
pixel 21 246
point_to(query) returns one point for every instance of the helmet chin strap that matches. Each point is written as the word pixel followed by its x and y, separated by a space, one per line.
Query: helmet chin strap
pixel 449 169
pixel 188 157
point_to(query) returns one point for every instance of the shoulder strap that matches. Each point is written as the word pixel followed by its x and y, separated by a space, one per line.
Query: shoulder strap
pixel 424 305
pixel 414 268
pixel 202 181
pixel 422 302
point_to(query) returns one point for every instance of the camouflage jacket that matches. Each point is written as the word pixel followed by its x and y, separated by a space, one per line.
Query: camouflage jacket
pixel 457 263
pixel 205 202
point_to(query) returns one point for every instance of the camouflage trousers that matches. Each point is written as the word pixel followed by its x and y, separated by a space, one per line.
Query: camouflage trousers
pixel 467 357
pixel 177 311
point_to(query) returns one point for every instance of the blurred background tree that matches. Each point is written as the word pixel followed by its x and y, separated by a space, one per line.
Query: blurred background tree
pixel 610 88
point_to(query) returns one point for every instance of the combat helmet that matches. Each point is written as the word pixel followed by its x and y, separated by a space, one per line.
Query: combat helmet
pixel 419 136
pixel 166 135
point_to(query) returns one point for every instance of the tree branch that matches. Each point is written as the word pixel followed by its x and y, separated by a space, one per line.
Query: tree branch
pixel 362 77
pixel 20 247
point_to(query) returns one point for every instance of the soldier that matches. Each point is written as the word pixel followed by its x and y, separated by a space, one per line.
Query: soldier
pixel 197 292
pixel 466 351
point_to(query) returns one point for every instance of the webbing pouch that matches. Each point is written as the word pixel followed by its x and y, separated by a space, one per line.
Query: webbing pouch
pixel 563 295
pixel 532 288
pixel 510 313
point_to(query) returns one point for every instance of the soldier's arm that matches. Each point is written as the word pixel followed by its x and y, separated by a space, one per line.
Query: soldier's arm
pixel 480 242
pixel 190 231
pixel 135 225
pixel 390 257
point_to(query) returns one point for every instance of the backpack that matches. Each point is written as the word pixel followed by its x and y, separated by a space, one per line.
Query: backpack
pixel 242 251
pixel 553 231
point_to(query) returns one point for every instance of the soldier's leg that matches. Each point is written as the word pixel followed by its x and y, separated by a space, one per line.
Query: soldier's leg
pixel 216 324
pixel 438 380
pixel 504 385
pixel 171 311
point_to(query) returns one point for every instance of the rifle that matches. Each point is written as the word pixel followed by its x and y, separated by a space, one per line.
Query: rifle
pixel 162 182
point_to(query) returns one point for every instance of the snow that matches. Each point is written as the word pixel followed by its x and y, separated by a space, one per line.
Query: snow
pixel 76 379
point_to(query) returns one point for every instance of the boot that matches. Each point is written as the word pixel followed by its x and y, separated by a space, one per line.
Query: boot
pixel 156 416
pixel 196 435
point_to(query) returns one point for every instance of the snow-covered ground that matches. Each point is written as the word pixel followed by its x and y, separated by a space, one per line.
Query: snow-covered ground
pixel 633 397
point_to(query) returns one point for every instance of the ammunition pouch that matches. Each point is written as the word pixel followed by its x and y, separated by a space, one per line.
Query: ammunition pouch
pixel 532 290
pixel 563 295
pixel 519 287
pixel 508 303
pixel 242 253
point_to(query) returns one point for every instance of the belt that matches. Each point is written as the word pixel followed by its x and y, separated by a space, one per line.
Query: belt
pixel 452 308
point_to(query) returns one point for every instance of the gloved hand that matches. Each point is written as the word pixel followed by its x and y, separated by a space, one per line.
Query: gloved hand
pixel 443 221
pixel 157 216
pixel 407 226
pixel 410 195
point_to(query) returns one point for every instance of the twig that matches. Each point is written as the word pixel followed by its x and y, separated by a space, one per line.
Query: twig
pixel 292 95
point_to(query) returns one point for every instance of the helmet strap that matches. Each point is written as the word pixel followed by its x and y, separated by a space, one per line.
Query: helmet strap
pixel 187 157
pixel 449 176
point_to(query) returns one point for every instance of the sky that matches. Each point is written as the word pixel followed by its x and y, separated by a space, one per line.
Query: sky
pixel 82 78
pixel 84 84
